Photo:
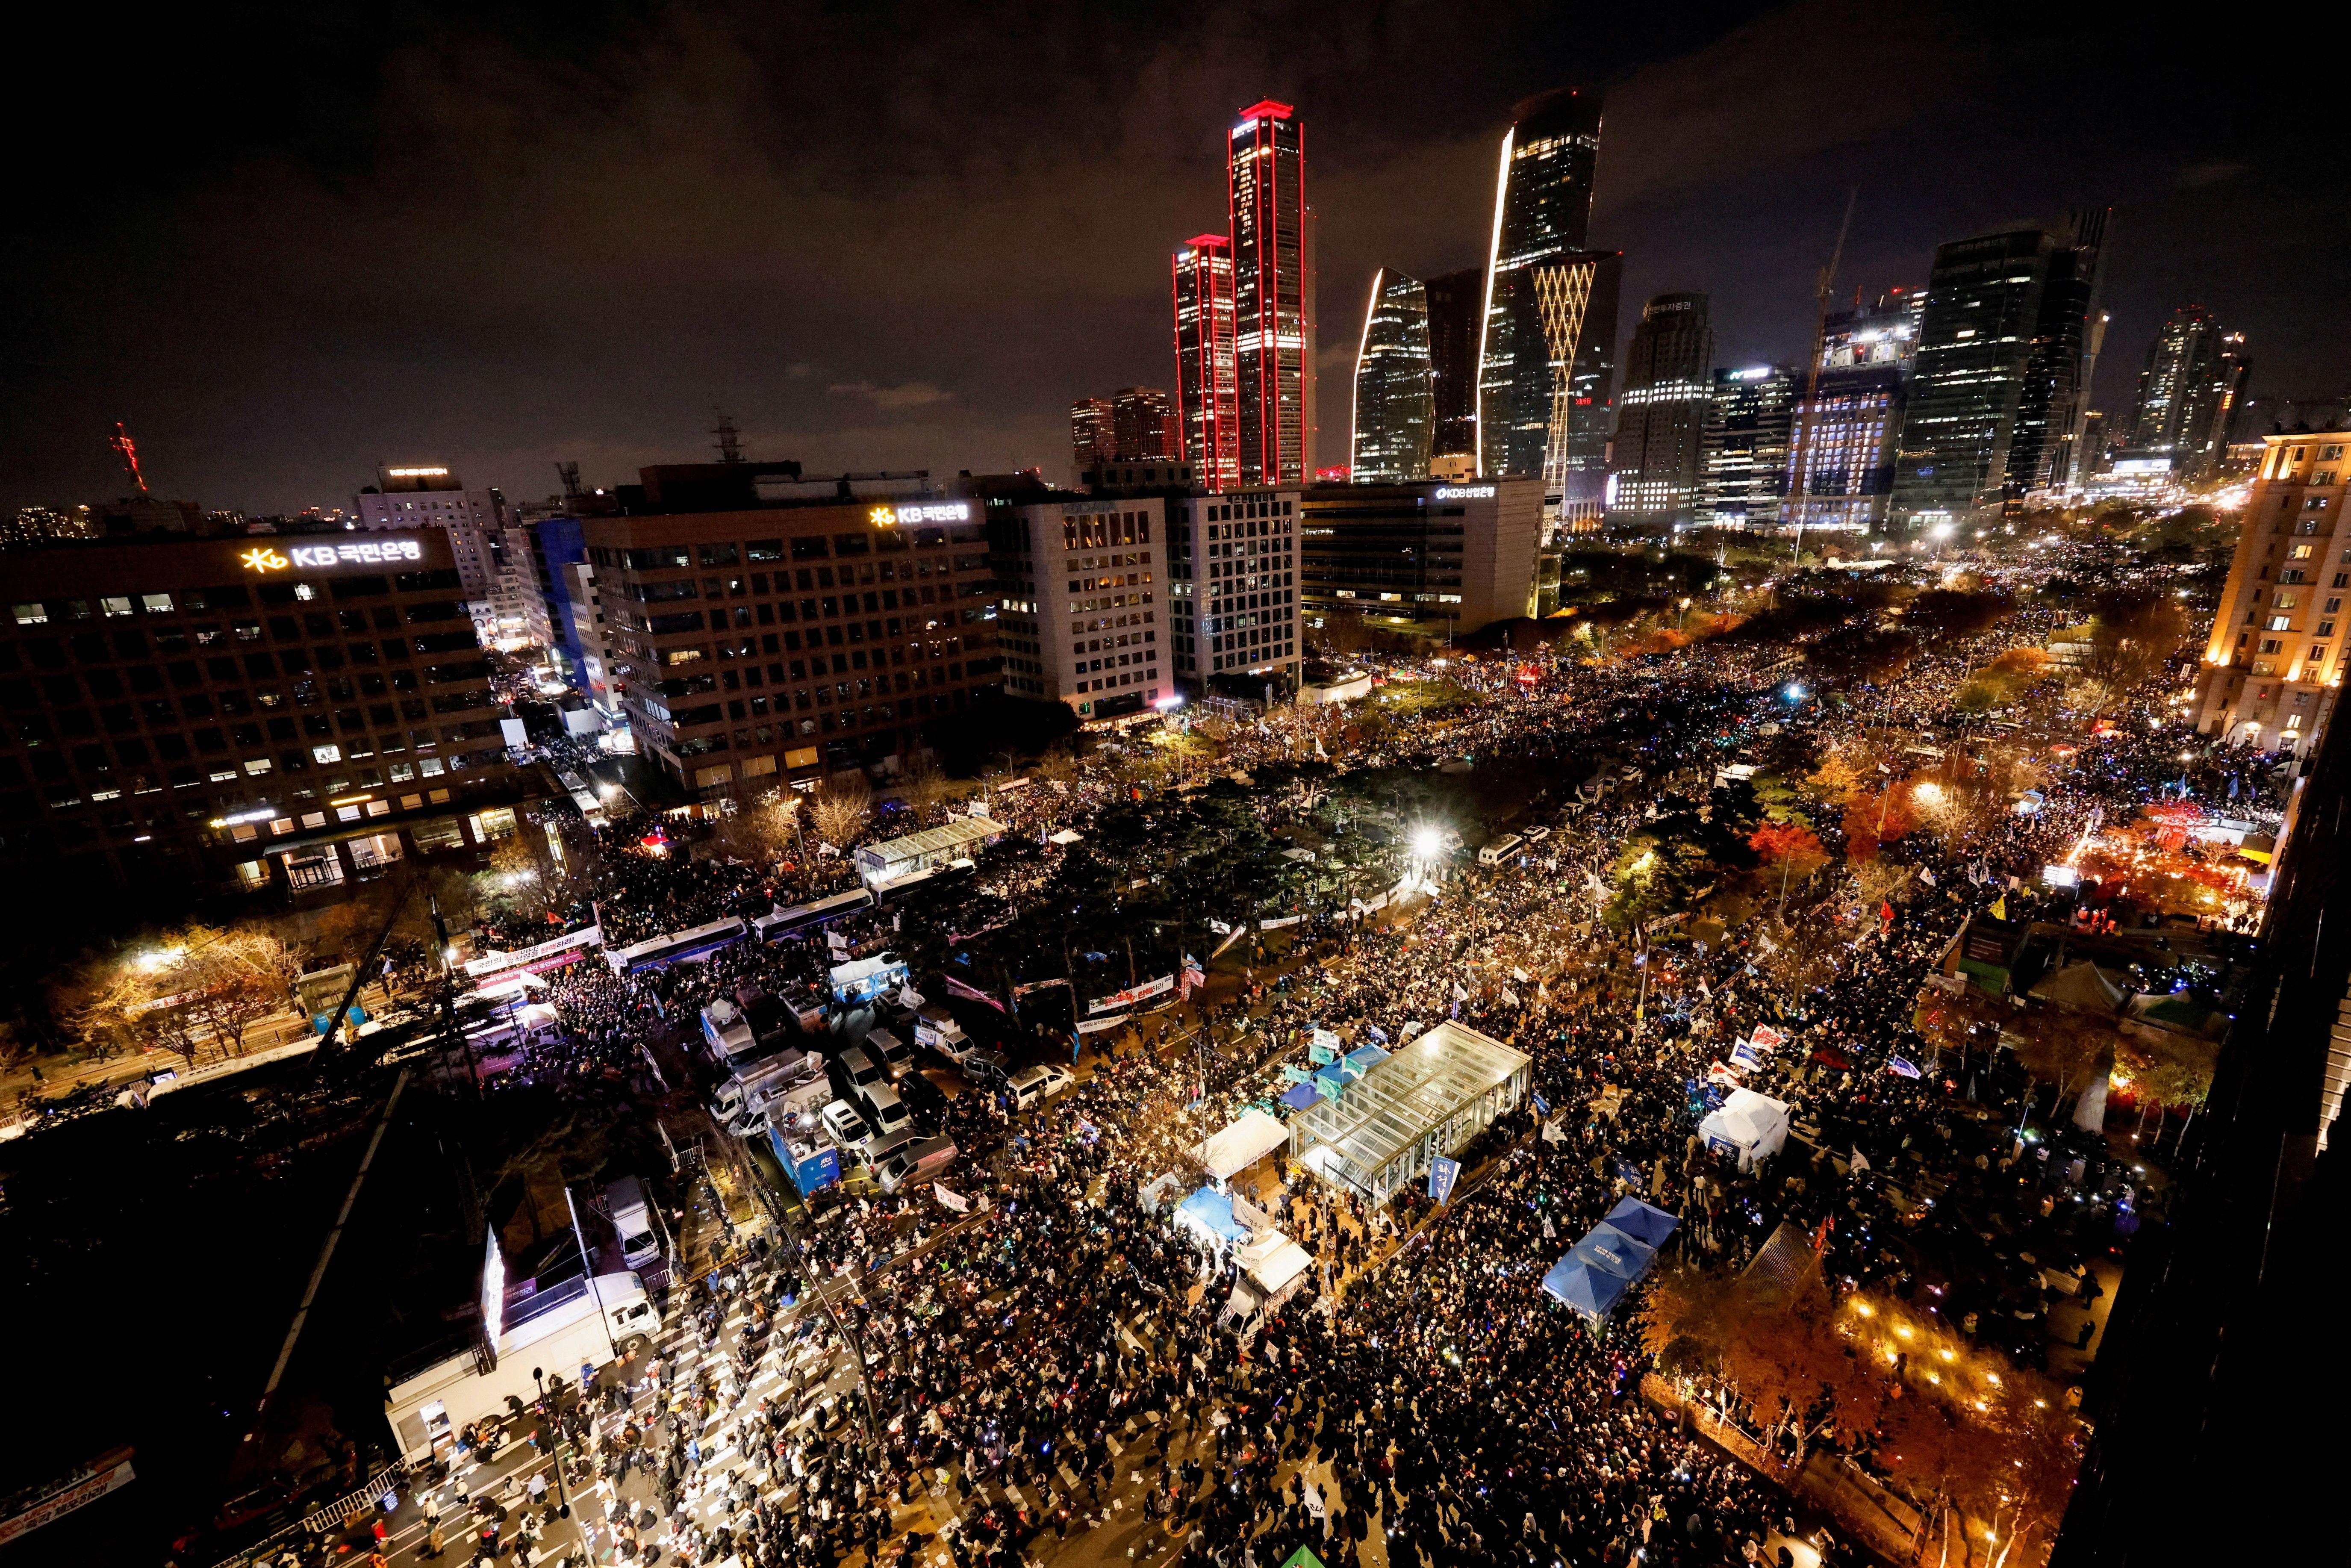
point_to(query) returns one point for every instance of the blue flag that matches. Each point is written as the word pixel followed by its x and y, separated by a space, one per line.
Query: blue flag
pixel 1901 1068
pixel 1542 1104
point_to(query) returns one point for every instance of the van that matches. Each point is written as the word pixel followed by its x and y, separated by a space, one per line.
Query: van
pixel 632 1221
pixel 1501 849
pixel 755 1086
pixel 890 1051
pixel 1039 1084
pixel 883 1109
pixel 1537 835
pixel 853 1071
pixel 880 1151
pixel 918 1160
pixel 986 1068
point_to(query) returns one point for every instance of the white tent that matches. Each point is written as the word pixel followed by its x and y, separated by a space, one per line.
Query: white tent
pixel 1241 1145
pixel 1274 1262
pixel 1753 1124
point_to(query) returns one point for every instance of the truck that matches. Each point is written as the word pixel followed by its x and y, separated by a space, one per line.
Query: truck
pixel 581 1322
pixel 763 1085
pixel 727 1034
pixel 935 1029
pixel 632 1222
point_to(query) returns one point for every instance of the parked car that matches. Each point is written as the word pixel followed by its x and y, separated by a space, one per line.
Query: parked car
pixel 917 1160
pixel 1038 1084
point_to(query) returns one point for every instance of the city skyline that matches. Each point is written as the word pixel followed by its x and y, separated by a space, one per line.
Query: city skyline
pixel 268 372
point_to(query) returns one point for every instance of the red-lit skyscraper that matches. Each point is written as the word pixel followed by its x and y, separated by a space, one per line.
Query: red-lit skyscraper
pixel 1207 405
pixel 1273 295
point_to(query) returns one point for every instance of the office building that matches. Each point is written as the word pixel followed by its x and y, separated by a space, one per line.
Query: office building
pixel 1273 302
pixel 1744 463
pixel 1083 579
pixel 1976 337
pixel 254 711
pixel 2188 394
pixel 2066 336
pixel 1550 313
pixel 764 628
pixel 1840 463
pixel 432 496
pixel 1653 468
pixel 1094 432
pixel 1455 307
pixel 584 636
pixel 1395 399
pixel 1233 595
pixel 34 527
pixel 1207 394
pixel 1143 424
pixel 1427 554
pixel 2273 662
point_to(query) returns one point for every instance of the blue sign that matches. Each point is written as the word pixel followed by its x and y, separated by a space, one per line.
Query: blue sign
pixel 1442 1174
pixel 1542 1104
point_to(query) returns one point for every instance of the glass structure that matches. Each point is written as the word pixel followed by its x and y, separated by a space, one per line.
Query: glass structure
pixel 1455 300
pixel 1653 469
pixel 1975 337
pixel 2059 364
pixel 1749 426
pixel 1841 466
pixel 1424 1103
pixel 1267 193
pixel 1395 400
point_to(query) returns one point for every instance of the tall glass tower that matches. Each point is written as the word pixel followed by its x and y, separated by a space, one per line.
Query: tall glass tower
pixel 1543 211
pixel 1454 301
pixel 1207 401
pixel 1975 340
pixel 2064 352
pixel 1272 293
pixel 1654 469
pixel 1394 397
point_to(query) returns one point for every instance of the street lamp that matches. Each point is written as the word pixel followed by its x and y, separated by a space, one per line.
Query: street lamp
pixel 1427 843
pixel 554 1460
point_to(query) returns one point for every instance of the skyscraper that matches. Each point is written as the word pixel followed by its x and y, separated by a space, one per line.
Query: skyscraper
pixel 1743 465
pixel 1395 402
pixel 1540 285
pixel 1975 337
pixel 2192 381
pixel 1842 462
pixel 1143 426
pixel 1455 300
pixel 1093 438
pixel 1653 468
pixel 2066 336
pixel 1207 401
pixel 1272 293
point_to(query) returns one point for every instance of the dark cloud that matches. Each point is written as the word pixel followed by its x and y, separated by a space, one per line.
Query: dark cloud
pixel 286 245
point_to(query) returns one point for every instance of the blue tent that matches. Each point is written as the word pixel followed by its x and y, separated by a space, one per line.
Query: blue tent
pixel 1331 1081
pixel 1610 1251
pixel 1583 1288
pixel 1363 1058
pixel 1212 1211
pixel 1642 1222
pixel 1300 1096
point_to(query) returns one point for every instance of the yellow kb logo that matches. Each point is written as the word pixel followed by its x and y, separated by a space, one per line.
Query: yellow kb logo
pixel 265 559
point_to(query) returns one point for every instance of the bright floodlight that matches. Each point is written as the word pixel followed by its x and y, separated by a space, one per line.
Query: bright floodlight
pixel 1794 693
pixel 1427 843
pixel 1941 530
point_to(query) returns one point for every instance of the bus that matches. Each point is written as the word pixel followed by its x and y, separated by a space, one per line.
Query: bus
pixel 800 917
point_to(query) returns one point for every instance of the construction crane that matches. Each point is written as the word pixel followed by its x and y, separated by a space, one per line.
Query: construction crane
pixel 569 473
pixel 1822 291
pixel 129 450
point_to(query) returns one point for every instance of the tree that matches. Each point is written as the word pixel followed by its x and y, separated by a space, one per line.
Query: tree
pixel 1837 781
pixel 1873 819
pixel 924 789
pixel 1787 845
pixel 840 809
pixel 189 987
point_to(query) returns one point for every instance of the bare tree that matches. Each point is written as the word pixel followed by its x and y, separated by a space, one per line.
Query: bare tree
pixel 840 809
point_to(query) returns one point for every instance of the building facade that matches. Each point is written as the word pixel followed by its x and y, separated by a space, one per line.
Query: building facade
pixel 2188 394
pixel 2067 334
pixel 1428 554
pixel 1143 425
pixel 1975 337
pixel 2273 664
pixel 1743 468
pixel 1233 594
pixel 1207 392
pixel 432 496
pixel 1456 306
pixel 1093 437
pixel 1395 407
pixel 808 635
pixel 285 710
pixel 1654 466
pixel 1083 585
pixel 1841 458
pixel 1273 294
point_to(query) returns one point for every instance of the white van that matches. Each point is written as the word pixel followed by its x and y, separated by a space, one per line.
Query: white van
pixel 1501 849
pixel 632 1221
pixel 883 1108
pixel 1039 1084
pixel 920 1160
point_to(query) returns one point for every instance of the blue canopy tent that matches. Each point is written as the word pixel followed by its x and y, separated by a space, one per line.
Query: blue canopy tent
pixel 1610 1251
pixel 1583 1289
pixel 1363 1058
pixel 1300 1096
pixel 1211 1213
pixel 1642 1222
pixel 1331 1081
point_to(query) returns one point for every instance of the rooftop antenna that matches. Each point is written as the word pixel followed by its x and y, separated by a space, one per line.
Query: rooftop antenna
pixel 120 441
pixel 569 473
pixel 730 440
pixel 1804 411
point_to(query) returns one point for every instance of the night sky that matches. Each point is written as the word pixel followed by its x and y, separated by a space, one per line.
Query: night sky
pixel 285 244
